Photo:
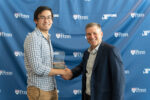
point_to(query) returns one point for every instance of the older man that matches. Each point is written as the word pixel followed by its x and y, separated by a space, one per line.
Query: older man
pixel 101 68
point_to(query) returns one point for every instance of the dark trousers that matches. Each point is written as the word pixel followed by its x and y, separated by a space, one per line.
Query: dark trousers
pixel 87 97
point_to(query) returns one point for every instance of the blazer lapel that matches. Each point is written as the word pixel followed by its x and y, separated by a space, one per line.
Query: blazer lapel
pixel 87 57
pixel 98 56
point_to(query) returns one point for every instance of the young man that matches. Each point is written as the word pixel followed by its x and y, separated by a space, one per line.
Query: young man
pixel 38 56
pixel 101 68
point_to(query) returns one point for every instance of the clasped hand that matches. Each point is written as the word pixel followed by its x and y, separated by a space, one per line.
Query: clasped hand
pixel 67 74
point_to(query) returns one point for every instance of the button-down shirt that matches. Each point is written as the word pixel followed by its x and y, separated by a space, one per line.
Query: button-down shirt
pixel 89 68
pixel 38 56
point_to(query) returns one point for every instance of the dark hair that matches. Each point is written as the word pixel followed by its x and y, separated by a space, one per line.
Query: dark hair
pixel 40 9
pixel 92 24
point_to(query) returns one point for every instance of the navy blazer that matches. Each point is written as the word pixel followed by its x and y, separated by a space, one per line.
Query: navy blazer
pixel 107 79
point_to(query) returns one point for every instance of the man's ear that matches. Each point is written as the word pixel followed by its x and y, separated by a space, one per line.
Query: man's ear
pixel 102 33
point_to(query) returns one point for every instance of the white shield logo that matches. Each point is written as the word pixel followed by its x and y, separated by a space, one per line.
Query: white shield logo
pixel 75 16
pixel 132 52
pixel 116 34
pixel 17 92
pixel 16 15
pixel 133 90
pixel 132 15
pixel 75 92
pixel 16 53
pixel 75 54
pixel 58 35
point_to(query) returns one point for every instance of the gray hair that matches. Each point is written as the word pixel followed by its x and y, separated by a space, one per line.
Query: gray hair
pixel 92 24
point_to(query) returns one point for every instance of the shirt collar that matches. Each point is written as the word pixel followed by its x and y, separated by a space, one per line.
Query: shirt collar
pixel 40 33
pixel 94 51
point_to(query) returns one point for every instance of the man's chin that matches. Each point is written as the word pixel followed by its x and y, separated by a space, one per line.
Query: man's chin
pixel 94 45
pixel 46 29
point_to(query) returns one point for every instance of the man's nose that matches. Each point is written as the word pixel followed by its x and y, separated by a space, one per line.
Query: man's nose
pixel 45 20
pixel 92 36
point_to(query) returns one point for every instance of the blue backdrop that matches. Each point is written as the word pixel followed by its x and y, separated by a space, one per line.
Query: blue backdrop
pixel 125 24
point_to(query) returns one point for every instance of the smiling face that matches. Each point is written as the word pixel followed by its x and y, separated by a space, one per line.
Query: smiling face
pixel 44 21
pixel 94 36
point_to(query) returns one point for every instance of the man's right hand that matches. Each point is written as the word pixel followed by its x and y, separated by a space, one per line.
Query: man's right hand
pixel 68 74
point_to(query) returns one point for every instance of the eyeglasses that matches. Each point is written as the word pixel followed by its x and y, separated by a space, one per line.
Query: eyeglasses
pixel 44 18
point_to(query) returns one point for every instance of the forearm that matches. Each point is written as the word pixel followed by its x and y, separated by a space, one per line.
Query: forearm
pixel 68 74
pixel 54 72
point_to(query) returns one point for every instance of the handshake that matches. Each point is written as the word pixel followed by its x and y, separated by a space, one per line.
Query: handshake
pixel 61 69
pixel 59 66
pixel 66 74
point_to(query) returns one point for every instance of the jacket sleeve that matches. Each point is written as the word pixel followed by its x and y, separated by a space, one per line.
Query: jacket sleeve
pixel 79 69
pixel 117 73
